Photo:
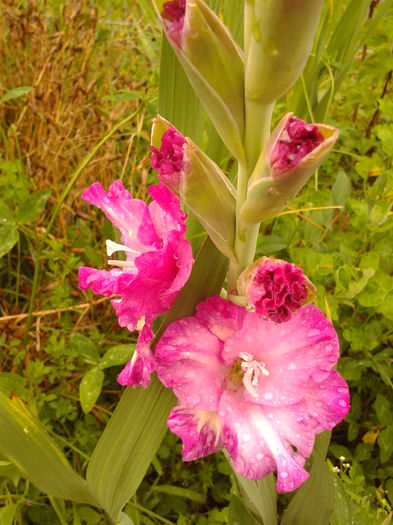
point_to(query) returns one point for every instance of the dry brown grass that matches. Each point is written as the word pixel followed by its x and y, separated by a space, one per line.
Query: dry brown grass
pixel 71 60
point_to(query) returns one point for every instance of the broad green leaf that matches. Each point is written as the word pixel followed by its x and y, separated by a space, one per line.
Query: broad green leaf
pixel 12 383
pixel 385 442
pixel 30 209
pixel 8 231
pixel 25 442
pixel 128 444
pixel 17 92
pixel 384 410
pixel 179 492
pixel 238 513
pixel 341 189
pixel 313 502
pixel 263 497
pixel 90 388
pixel 84 347
pixel 271 244
pixel 117 355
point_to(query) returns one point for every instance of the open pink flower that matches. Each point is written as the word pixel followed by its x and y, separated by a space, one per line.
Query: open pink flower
pixel 274 288
pixel 168 160
pixel 261 390
pixel 296 141
pixel 158 258
pixel 173 13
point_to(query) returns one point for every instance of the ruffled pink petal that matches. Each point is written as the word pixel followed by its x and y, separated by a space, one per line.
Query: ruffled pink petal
pixel 328 400
pixel 296 141
pixel 159 277
pixel 222 317
pixel 168 160
pixel 199 430
pixel 166 212
pixel 101 281
pixel 173 13
pixel 138 370
pixel 261 449
pixel 188 361
pixel 124 212
pixel 290 352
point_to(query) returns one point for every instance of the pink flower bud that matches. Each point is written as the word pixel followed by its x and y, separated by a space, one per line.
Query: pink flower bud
pixel 296 141
pixel 173 13
pixel 274 288
pixel 168 159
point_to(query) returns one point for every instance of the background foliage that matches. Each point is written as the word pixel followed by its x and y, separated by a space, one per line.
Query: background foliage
pixel 68 77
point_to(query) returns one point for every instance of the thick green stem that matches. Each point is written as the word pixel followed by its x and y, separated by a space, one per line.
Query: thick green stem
pixel 257 132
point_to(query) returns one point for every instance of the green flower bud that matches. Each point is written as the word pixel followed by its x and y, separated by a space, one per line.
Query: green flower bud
pixel 279 37
pixel 294 151
pixel 213 63
pixel 198 181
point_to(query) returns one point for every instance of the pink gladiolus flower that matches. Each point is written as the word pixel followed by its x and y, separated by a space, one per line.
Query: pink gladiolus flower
pixel 261 390
pixel 296 141
pixel 168 160
pixel 274 288
pixel 173 13
pixel 157 265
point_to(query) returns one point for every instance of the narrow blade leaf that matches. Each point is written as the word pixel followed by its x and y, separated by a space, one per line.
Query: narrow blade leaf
pixel 24 441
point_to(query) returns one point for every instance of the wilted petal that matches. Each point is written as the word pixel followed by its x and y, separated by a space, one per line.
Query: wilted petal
pixel 199 430
pixel 296 141
pixel 138 370
pixel 101 281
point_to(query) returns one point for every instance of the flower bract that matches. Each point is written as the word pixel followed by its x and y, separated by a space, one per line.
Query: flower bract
pixel 259 389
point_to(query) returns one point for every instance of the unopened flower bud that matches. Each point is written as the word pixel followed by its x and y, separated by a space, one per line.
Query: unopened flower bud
pixel 173 18
pixel 198 181
pixel 212 62
pixel 275 289
pixel 297 140
pixel 168 159
pixel 293 152
pixel 279 36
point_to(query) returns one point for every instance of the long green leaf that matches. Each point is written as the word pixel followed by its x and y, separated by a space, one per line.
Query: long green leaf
pixel 263 497
pixel 313 503
pixel 128 444
pixel 136 429
pixel 25 442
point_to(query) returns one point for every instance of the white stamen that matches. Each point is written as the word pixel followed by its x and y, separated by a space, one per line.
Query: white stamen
pixel 253 370
pixel 121 264
pixel 112 247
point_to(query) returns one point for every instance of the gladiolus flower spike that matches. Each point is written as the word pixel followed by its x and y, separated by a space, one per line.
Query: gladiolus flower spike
pixel 259 389
pixel 158 262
